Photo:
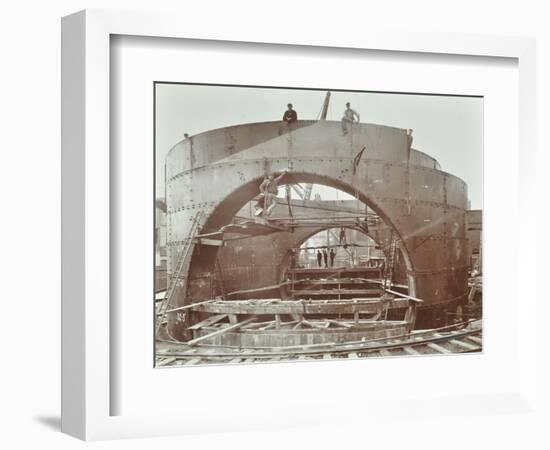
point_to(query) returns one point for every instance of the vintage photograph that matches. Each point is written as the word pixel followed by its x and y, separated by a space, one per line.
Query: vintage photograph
pixel 301 224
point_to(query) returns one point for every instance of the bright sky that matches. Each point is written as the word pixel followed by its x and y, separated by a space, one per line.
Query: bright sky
pixel 449 129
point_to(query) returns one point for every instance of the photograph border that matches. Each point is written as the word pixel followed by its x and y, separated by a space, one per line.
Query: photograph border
pixel 155 125
pixel 86 190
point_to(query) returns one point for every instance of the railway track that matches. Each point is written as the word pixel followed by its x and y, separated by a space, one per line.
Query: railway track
pixel 464 338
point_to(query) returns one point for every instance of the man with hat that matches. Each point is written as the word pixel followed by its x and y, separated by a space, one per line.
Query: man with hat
pixel 290 115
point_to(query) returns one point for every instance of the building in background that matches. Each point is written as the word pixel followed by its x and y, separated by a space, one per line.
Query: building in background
pixel 160 245
pixel 474 228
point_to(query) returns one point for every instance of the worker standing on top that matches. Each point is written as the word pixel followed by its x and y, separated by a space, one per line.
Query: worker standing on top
pixel 409 139
pixel 325 257
pixel 290 115
pixel 349 118
pixel 268 189
pixel 319 258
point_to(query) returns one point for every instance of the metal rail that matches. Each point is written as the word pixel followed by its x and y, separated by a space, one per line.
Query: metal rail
pixel 439 341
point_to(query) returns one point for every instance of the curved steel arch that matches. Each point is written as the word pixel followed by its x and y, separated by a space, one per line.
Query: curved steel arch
pixel 426 206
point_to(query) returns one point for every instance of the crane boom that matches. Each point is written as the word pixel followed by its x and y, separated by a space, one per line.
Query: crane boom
pixel 324 111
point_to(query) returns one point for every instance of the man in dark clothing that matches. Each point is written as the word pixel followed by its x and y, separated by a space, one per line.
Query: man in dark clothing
pixel 332 255
pixel 290 115
pixel 319 257
pixel 325 257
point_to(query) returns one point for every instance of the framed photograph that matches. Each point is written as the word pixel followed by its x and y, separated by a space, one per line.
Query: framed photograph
pixel 317 235
pixel 283 228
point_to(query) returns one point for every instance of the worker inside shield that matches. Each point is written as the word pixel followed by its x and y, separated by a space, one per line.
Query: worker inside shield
pixel 268 190
pixel 325 257
pixel 332 255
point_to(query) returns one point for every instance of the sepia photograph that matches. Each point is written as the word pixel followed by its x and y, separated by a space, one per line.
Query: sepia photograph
pixel 271 212
pixel 305 224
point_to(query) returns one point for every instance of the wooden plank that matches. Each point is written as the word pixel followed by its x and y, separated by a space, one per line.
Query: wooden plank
pixel 166 361
pixel 322 270
pixel 220 331
pixel 315 282
pixel 311 292
pixel 464 345
pixel 235 360
pixel 215 233
pixel 192 361
pixel 268 326
pixel 182 353
pixel 208 321
pixel 475 339
pixel 258 325
pixel 289 324
pixel 340 323
pixel 160 296
pixel 258 227
pixel 438 348
pixel 411 350
pixel 400 294
pixel 248 360
pixel 292 307
pixel 208 241
pixel 242 357
pixel 264 288
pixel 313 324
pixel 182 308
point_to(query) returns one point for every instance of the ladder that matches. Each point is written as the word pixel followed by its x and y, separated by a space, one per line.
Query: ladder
pixel 390 262
pixel 179 272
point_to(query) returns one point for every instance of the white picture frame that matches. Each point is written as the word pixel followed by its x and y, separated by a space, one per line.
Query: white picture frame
pixel 86 216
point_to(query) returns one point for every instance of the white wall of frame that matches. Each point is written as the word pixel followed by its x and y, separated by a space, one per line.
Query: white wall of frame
pixel 30 113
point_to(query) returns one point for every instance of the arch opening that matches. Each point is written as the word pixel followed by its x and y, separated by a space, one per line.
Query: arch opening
pixel 335 204
pixel 351 247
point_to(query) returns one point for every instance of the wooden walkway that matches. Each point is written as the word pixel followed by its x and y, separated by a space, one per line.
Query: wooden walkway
pixel 442 341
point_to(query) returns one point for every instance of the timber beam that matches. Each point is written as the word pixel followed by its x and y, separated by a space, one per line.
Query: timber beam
pixel 298 308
